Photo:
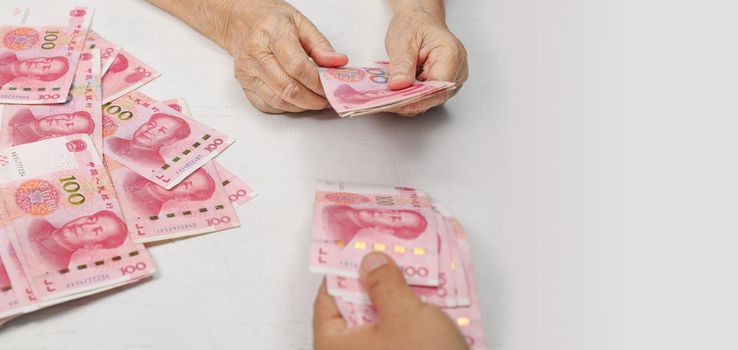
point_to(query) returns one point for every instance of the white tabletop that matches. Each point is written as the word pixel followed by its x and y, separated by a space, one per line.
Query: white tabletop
pixel 591 158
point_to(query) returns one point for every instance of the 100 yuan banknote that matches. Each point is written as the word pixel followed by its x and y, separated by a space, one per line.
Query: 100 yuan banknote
pixel 239 192
pixel 443 295
pixel 354 91
pixel 351 220
pixel 81 114
pixel 9 305
pixel 197 205
pixel 37 64
pixel 16 295
pixel 467 318
pixel 108 50
pixel 124 74
pixel 64 219
pixel 156 141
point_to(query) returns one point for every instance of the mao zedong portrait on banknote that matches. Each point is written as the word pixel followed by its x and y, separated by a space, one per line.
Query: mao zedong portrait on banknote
pixel 25 127
pixel 344 222
pixel 148 198
pixel 161 130
pixel 36 68
pixel 56 245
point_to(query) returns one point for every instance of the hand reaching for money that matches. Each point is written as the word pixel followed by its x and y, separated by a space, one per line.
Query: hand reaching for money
pixel 271 43
pixel 404 321
pixel 418 42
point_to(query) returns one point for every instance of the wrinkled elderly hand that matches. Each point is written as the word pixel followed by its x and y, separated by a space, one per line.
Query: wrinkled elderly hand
pixel 272 44
pixel 419 44
pixel 405 322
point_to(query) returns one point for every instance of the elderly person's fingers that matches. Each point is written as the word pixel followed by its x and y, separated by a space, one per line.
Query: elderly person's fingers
pixel 286 87
pixel 403 49
pixel 259 93
pixel 317 46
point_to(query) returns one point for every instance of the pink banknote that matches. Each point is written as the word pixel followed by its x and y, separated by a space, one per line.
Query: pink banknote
pixel 239 192
pixel 24 299
pixel 8 298
pixel 16 295
pixel 4 280
pixel 64 219
pixel 125 73
pixel 469 319
pixel 156 141
pixel 108 50
pixel 351 220
pixel 461 285
pixel 81 114
pixel 37 64
pixel 444 295
pixel 354 91
pixel 197 205
pixel 179 105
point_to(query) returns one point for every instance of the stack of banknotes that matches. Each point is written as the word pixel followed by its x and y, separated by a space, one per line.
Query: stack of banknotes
pixel 91 168
pixel 427 242
pixel 354 91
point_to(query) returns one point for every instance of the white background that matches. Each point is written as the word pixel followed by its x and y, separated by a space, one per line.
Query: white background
pixel 591 158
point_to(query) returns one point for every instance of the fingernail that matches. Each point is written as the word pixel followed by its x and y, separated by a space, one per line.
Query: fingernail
pixel 373 261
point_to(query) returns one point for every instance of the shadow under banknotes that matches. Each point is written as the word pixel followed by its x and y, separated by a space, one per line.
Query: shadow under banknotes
pixel 51 312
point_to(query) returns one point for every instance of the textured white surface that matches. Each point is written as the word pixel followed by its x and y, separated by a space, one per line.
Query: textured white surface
pixel 591 157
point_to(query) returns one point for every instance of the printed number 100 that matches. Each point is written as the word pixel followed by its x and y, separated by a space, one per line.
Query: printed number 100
pixel 126 270
pixel 49 40
pixel 217 221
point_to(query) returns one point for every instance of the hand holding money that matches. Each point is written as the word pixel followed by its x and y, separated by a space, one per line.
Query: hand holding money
pixel 274 46
pixel 422 245
pixel 354 91
pixel 404 321
pixel 418 40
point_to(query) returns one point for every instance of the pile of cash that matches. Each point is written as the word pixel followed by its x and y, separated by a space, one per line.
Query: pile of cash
pixel 91 168
pixel 354 91
pixel 427 242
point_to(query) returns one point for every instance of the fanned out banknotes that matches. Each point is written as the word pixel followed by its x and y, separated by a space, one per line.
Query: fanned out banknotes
pixel 427 242
pixel 90 168
pixel 354 91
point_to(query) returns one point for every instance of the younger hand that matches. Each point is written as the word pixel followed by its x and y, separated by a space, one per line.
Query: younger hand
pixel 405 322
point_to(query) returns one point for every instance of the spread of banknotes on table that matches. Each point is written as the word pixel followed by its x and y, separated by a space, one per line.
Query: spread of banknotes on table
pixel 91 169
